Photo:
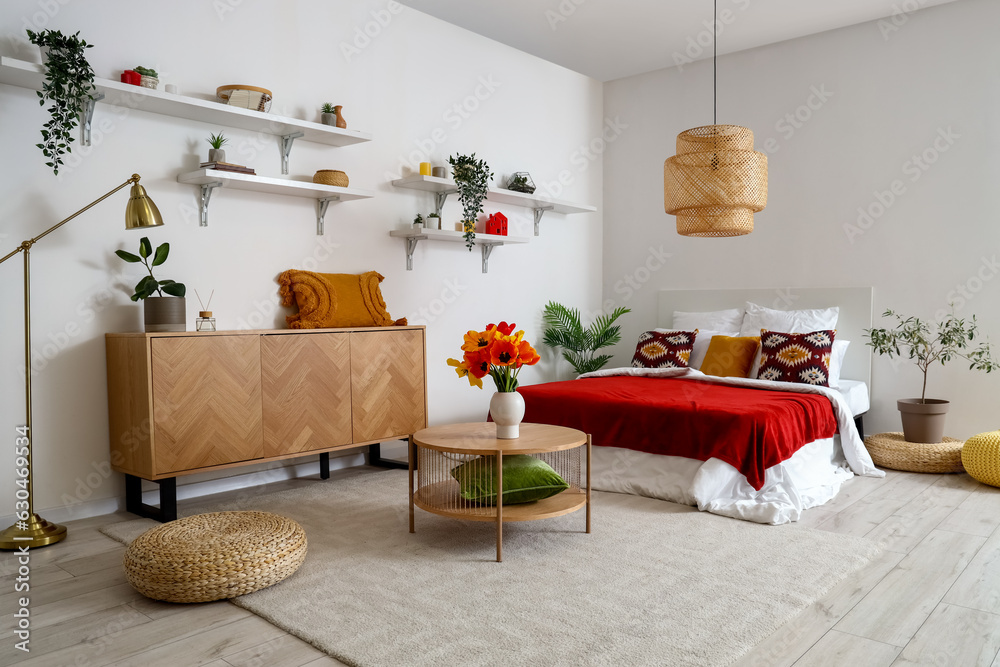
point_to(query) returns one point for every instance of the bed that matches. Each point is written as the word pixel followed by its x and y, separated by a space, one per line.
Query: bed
pixel 750 449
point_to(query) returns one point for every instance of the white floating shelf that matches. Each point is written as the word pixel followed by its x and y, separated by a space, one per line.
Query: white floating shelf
pixel 30 75
pixel 209 179
pixel 442 187
pixel 486 241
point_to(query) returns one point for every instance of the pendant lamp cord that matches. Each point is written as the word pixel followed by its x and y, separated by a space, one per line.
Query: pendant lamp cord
pixel 715 67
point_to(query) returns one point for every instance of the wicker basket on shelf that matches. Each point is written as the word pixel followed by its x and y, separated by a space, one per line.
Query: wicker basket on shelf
pixel 331 177
pixel 891 450
pixel 245 97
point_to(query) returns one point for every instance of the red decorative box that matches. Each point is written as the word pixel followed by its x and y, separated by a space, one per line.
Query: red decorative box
pixel 497 224
pixel 131 76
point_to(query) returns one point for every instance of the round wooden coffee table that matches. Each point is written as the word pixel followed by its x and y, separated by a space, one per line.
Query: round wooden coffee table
pixel 436 452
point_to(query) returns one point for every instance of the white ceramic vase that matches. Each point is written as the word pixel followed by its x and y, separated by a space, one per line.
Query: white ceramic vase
pixel 507 410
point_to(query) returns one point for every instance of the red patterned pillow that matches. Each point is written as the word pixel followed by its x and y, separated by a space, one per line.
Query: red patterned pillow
pixel 802 358
pixel 664 349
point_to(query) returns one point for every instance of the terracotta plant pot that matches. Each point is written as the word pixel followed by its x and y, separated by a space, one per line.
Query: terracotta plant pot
pixel 923 421
pixel 165 313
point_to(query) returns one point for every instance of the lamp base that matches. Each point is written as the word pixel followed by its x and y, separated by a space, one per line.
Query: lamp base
pixel 37 532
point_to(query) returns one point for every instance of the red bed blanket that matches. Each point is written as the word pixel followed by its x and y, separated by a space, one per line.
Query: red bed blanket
pixel 750 429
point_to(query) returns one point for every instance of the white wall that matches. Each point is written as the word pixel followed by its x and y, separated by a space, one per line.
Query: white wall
pixel 892 95
pixel 401 85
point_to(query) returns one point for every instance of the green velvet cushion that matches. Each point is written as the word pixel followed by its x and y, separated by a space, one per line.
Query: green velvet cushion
pixel 525 479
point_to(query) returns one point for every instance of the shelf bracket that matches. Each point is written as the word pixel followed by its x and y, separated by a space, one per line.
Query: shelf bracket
pixel 321 206
pixel 487 251
pixel 439 199
pixel 411 245
pixel 286 148
pixel 538 215
pixel 206 195
pixel 87 117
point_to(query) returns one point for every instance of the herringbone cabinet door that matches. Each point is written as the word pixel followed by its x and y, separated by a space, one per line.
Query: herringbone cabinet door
pixel 206 401
pixel 387 392
pixel 307 392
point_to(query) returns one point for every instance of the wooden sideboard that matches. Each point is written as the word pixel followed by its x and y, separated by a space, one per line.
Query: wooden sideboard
pixel 184 402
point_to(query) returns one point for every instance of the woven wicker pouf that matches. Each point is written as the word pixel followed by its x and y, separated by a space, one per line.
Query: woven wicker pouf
pixel 890 450
pixel 981 457
pixel 214 556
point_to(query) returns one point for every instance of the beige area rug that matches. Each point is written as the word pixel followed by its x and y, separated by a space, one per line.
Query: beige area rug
pixel 655 583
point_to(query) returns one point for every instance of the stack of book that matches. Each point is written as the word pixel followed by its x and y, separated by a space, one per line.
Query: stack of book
pixel 226 166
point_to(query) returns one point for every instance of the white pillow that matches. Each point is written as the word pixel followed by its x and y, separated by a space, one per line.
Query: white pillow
pixel 721 322
pixel 787 321
pixel 837 360
pixel 701 342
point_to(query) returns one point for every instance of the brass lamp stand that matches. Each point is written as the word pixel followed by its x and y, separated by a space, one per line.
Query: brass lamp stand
pixel 31 530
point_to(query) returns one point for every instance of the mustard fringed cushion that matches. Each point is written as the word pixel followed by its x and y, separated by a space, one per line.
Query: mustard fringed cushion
pixel 981 457
pixel 327 300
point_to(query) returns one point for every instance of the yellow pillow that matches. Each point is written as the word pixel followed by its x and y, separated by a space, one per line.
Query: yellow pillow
pixel 730 356
pixel 334 300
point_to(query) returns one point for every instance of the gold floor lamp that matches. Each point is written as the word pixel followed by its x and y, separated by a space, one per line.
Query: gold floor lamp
pixel 31 530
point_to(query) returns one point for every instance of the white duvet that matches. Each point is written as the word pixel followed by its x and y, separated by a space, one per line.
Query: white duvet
pixel 811 477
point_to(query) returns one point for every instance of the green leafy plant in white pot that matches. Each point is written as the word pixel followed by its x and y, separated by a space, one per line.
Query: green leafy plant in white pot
pixel 160 313
pixel 564 329
pixel 925 345
pixel 69 86
pixel 472 177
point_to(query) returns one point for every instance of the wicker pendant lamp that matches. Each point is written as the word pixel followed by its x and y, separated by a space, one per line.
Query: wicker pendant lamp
pixel 717 181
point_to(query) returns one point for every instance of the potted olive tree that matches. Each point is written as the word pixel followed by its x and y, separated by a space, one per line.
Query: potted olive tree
pixel 924 418
pixel 160 313
pixel 472 177
pixel 69 84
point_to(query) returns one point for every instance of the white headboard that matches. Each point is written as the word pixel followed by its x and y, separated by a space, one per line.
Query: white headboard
pixel 855 304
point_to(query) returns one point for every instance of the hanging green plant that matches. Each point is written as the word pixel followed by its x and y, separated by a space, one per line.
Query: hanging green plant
pixel 69 84
pixel 472 178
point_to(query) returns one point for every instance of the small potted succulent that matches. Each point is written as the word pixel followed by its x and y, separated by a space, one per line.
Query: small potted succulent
pixel 923 418
pixel 433 221
pixel 520 181
pixel 418 222
pixel 69 84
pixel 328 114
pixel 149 77
pixel 216 153
pixel 472 178
pixel 160 313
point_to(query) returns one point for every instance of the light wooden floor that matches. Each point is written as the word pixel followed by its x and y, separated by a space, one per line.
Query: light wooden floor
pixel 931 598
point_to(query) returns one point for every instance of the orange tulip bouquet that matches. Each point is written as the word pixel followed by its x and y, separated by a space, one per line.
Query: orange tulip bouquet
pixel 497 352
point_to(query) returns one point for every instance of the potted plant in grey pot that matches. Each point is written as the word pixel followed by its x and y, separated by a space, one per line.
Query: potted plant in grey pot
pixel 69 83
pixel 160 313
pixel 328 114
pixel 924 418
pixel 216 153
pixel 472 177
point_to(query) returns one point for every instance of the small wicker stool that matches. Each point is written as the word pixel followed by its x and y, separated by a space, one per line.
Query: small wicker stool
pixel 890 450
pixel 214 556
pixel 981 457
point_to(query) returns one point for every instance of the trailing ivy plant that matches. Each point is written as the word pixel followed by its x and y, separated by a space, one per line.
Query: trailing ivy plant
pixel 472 177
pixel 564 329
pixel 915 339
pixel 148 285
pixel 69 83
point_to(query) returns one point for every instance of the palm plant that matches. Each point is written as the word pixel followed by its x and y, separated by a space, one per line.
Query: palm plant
pixel 564 329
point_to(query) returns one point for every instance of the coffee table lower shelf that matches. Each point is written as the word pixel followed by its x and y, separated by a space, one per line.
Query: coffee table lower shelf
pixel 443 499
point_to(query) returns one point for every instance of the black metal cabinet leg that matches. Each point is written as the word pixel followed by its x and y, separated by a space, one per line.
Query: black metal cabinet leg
pixel 324 465
pixel 859 422
pixel 375 459
pixel 167 511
